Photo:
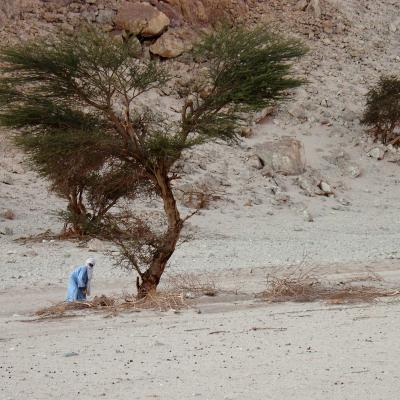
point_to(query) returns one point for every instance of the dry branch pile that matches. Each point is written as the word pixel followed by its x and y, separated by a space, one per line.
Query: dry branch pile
pixel 196 285
pixel 303 286
pixel 162 301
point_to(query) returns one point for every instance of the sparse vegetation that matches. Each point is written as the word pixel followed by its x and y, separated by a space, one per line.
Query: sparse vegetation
pixel 302 285
pixel 78 104
pixel 382 113
pixel 191 283
pixel 161 301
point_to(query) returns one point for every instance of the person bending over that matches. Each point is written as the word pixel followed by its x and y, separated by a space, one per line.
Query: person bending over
pixel 79 281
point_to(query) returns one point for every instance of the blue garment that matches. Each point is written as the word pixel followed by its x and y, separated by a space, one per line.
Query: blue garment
pixel 78 281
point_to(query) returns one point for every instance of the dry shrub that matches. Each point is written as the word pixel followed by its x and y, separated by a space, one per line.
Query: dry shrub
pixel 199 199
pixel 160 301
pixel 187 282
pixel 304 286
pixel 9 214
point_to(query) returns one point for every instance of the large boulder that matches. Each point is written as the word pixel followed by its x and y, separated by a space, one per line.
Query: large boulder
pixel 173 43
pixel 285 156
pixel 141 19
pixel 175 17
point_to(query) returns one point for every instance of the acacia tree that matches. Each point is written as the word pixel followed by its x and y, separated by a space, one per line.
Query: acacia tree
pixel 239 70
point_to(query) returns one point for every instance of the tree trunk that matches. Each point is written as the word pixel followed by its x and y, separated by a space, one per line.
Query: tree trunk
pixel 78 210
pixel 151 278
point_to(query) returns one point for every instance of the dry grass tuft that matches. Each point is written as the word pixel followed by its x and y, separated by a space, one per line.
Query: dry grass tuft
pixel 200 198
pixel 301 285
pixel 160 301
pixel 193 284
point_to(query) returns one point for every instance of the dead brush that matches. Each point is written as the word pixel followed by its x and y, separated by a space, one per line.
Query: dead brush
pixel 304 286
pixel 199 199
pixel 197 285
pixel 160 301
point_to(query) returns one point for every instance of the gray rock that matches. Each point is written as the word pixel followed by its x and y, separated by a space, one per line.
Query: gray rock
pixel 344 201
pixel 307 216
pixel 377 152
pixel 285 156
pixel 352 170
pixel 280 198
pixel 8 231
pixel 71 354
pixel 310 182
pixel 7 179
pixel 173 43
pixel 105 16
pixel 255 162
pixel 349 115
pixel 96 245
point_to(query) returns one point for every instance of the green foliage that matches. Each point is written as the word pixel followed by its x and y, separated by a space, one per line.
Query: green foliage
pixel 80 103
pixel 249 68
pixel 382 113
pixel 59 94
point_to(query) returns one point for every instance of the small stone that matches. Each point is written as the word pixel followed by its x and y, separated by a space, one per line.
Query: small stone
pixel 255 162
pixel 307 216
pixel 96 245
pixel 325 187
pixel 301 5
pixel 30 253
pixel 377 152
pixel 8 231
pixel 105 17
pixel 246 132
pixel 7 179
pixel 344 201
pixel 353 170
pixel 71 354
pixel 8 214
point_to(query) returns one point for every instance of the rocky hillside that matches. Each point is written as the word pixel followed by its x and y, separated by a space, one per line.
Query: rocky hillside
pixel 323 188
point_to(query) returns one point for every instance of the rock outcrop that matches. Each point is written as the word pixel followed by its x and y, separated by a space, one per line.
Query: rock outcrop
pixel 173 43
pixel 141 19
pixel 285 156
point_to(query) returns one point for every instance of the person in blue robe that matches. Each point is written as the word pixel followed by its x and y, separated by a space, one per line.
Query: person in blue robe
pixel 80 280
